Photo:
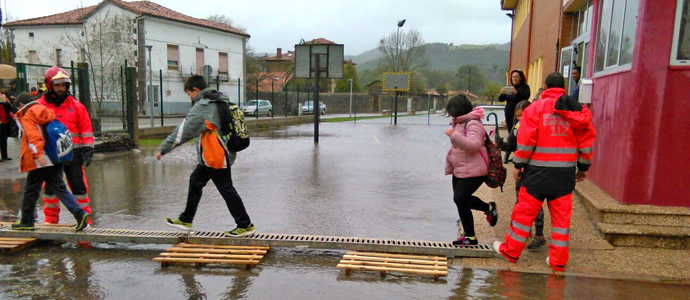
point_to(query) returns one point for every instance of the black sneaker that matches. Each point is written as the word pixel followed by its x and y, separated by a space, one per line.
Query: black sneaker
pixel 537 242
pixel 20 226
pixel 492 214
pixel 83 222
pixel 464 241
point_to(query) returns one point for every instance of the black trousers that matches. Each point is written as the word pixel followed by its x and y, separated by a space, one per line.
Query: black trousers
pixel 74 172
pixel 4 133
pixel 463 188
pixel 52 176
pixel 223 180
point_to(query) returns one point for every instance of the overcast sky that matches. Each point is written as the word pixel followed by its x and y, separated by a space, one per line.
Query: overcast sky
pixel 357 24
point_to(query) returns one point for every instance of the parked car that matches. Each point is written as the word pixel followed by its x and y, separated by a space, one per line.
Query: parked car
pixel 264 108
pixel 308 108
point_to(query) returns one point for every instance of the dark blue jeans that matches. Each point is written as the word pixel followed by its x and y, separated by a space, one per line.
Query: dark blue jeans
pixel 52 176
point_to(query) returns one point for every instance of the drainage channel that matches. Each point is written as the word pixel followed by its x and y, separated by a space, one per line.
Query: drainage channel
pixel 258 239
pixel 342 243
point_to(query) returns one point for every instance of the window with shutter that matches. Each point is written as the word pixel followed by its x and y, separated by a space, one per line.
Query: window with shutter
pixel 173 57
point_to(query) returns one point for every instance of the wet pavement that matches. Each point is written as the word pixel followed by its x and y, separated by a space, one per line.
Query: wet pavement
pixel 366 180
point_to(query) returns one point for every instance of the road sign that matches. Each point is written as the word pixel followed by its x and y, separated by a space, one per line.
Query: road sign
pixel 396 81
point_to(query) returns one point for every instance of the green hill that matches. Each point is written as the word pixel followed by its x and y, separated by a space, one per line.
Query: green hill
pixel 443 62
pixel 447 57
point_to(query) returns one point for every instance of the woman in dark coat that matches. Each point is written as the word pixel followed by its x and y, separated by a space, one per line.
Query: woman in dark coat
pixel 6 111
pixel 516 92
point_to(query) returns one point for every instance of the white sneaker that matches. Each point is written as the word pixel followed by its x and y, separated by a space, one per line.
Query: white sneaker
pixel 497 245
pixel 547 261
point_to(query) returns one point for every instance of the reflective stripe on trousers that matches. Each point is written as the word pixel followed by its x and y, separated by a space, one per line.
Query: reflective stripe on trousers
pixel 521 220
pixel 51 209
pixel 561 210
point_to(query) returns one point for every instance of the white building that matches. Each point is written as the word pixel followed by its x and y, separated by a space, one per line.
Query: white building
pixel 182 45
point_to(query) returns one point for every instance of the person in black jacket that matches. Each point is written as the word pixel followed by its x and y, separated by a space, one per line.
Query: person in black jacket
pixel 6 111
pixel 511 95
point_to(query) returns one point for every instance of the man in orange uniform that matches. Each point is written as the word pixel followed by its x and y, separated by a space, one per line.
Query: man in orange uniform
pixel 70 112
pixel 555 138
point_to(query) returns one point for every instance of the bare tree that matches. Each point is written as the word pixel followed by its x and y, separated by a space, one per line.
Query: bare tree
pixel 6 45
pixel 226 20
pixel 105 42
pixel 405 54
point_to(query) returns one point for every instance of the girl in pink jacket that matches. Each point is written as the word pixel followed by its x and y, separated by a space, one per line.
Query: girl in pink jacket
pixel 467 161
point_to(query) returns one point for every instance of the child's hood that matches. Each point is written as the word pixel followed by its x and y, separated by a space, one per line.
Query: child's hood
pixel 476 114
pixel 39 114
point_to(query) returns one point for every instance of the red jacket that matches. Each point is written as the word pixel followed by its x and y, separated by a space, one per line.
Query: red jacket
pixel 73 114
pixel 556 135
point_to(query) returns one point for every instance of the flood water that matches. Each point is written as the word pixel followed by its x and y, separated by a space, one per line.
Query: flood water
pixel 366 180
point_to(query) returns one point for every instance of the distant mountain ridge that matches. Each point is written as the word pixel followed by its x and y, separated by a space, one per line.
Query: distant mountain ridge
pixel 449 57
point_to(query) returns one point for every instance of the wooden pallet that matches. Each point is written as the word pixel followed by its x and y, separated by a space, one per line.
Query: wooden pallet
pixel 12 245
pixel 201 255
pixel 387 262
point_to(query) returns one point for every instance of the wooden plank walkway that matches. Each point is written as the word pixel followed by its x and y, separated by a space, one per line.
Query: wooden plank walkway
pixel 92 234
pixel 201 255
pixel 387 262
pixel 12 245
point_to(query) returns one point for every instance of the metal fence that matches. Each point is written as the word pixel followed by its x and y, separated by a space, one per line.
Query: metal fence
pixel 30 76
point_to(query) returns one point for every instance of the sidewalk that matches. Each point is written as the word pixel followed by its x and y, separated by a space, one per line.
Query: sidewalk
pixel 590 254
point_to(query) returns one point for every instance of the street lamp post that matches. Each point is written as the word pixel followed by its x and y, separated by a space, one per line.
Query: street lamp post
pixel 272 98
pixel 397 45
pixel 149 91
pixel 350 80
pixel 397 66
pixel 256 112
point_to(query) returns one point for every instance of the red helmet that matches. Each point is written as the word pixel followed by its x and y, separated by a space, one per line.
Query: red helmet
pixel 56 75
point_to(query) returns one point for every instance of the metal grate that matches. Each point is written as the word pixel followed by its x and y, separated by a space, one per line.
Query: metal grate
pixel 98 235
pixel 344 243
pixel 257 239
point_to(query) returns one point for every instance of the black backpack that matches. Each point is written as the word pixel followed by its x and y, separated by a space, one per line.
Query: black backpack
pixel 234 129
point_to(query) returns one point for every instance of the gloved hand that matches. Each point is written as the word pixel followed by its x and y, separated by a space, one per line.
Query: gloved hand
pixel 87 155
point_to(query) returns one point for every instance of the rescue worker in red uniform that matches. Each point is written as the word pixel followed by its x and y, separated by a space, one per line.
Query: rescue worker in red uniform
pixel 554 150
pixel 70 112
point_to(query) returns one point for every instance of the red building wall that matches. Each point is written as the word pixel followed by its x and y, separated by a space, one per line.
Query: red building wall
pixel 545 34
pixel 641 153
pixel 518 53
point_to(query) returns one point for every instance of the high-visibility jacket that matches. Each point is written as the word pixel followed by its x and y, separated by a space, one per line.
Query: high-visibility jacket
pixel 556 135
pixel 75 117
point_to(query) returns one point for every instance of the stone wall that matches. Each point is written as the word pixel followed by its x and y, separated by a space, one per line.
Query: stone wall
pixel 339 103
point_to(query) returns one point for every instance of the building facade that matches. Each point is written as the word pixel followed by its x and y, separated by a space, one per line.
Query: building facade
pixel 637 54
pixel 180 46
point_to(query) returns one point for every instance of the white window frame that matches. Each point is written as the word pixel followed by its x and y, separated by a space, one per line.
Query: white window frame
pixel 676 37
pixel 617 67
pixel 584 37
